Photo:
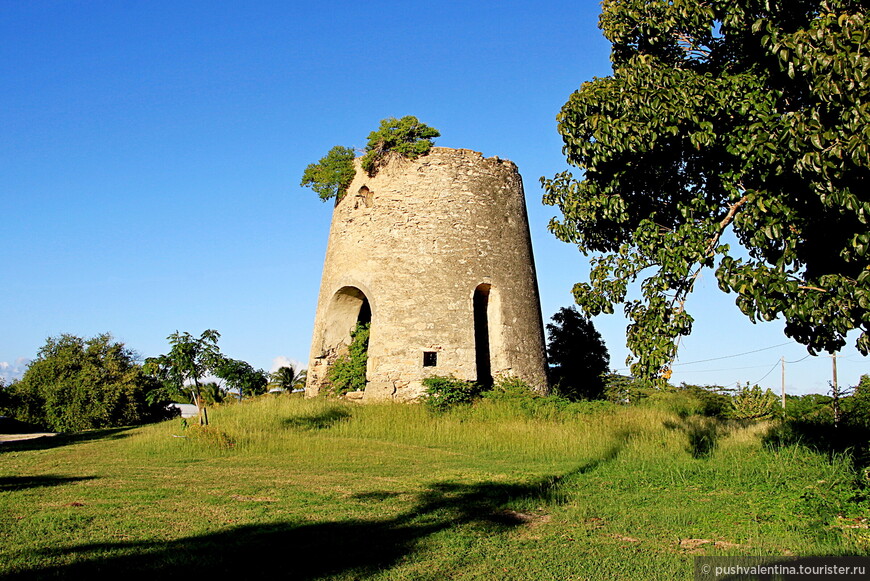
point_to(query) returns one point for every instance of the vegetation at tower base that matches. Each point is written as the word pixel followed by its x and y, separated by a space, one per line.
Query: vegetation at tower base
pixel 443 393
pixel 741 116
pixel 348 373
pixel 577 355
pixel 406 137
pixel 330 176
pixel 77 384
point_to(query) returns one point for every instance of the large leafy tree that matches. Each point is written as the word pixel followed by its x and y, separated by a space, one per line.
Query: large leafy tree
pixel 746 117
pixel 241 376
pixel 577 355
pixel 190 359
pixel 76 384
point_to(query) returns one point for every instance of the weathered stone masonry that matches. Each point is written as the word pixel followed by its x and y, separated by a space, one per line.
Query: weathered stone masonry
pixel 438 251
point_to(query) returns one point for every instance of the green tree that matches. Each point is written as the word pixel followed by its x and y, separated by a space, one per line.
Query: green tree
pixel 77 384
pixel 406 137
pixel 5 396
pixel 242 377
pixel 189 360
pixel 348 373
pixel 330 176
pixel 287 378
pixel 857 406
pixel 577 355
pixel 740 116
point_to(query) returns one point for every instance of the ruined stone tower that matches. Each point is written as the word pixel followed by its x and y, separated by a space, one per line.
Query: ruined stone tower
pixel 436 254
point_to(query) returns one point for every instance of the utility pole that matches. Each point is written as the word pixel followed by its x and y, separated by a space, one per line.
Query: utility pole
pixel 782 363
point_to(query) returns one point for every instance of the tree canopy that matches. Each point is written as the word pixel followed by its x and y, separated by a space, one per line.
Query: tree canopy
pixel 746 117
pixel 77 384
pixel 242 377
pixel 330 176
pixel 577 356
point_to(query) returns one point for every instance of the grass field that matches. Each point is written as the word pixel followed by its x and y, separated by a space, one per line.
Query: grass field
pixel 305 489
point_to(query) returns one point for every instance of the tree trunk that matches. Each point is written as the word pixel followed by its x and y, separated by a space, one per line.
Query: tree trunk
pixel 200 407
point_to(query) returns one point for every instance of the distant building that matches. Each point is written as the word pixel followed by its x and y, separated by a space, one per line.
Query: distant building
pixel 187 410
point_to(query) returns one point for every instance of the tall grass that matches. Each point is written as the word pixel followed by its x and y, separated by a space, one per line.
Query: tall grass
pixel 504 488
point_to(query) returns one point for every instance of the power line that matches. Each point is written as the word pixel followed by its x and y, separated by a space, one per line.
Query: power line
pixel 766 374
pixel 735 355
pixel 721 369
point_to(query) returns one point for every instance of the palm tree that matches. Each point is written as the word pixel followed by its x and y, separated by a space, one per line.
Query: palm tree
pixel 211 393
pixel 287 378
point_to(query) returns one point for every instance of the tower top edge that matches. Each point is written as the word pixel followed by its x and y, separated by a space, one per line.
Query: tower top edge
pixel 450 152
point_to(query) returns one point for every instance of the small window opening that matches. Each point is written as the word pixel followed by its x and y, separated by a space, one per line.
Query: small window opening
pixel 430 358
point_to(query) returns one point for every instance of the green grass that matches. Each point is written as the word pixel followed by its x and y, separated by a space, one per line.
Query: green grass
pixel 319 489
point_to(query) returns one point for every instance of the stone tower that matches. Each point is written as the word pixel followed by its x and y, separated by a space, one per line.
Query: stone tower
pixel 436 254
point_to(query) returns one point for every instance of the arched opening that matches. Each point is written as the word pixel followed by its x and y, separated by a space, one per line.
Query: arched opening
pixel 483 362
pixel 348 307
pixel 345 341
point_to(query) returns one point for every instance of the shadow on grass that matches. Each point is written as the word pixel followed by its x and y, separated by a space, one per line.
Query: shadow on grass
pixel 350 548
pixel 319 421
pixel 10 483
pixel 354 548
pixel 703 434
pixel 48 442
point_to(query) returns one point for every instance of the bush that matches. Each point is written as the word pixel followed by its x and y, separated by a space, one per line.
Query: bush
pixel 406 136
pixel 713 402
pixel 812 407
pixel 443 393
pixel 753 403
pixel 518 396
pixel 624 389
pixel 508 387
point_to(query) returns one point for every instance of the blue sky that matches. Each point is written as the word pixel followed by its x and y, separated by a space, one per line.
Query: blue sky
pixel 150 156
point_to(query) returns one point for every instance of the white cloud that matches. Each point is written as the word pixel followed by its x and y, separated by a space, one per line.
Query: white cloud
pixel 281 361
pixel 15 370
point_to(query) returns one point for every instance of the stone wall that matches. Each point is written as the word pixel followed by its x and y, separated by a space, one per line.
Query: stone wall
pixel 423 242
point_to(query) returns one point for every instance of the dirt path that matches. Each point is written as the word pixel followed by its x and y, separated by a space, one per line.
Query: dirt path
pixel 17 437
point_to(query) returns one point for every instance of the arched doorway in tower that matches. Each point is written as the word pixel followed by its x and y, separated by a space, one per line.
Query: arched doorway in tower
pixel 482 347
pixel 345 340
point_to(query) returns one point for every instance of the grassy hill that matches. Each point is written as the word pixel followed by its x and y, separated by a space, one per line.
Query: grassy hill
pixel 310 489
